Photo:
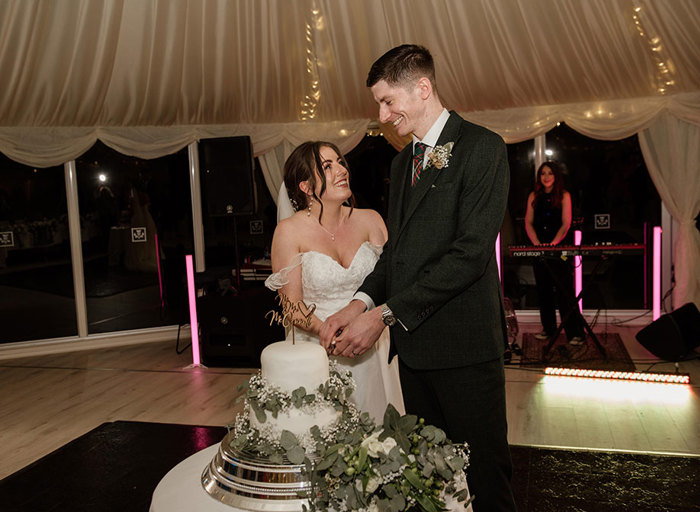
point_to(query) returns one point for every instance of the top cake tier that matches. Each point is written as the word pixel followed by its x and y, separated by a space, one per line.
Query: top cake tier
pixel 289 366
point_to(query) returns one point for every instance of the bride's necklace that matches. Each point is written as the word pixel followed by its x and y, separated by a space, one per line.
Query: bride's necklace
pixel 330 232
pixel 324 229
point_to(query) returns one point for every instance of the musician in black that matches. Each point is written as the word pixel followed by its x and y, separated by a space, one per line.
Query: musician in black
pixel 547 222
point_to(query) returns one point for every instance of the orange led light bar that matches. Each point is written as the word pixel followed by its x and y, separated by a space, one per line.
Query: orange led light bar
pixel 667 378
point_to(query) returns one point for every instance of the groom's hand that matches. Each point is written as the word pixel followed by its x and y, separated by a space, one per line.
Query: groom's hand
pixel 338 321
pixel 360 334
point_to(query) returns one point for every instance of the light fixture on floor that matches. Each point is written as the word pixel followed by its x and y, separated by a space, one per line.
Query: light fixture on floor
pixel 667 378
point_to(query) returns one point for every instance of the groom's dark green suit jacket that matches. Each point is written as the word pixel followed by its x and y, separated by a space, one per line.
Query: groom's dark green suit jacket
pixel 438 271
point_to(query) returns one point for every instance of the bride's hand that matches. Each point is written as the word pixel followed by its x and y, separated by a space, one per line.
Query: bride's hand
pixel 360 334
pixel 338 321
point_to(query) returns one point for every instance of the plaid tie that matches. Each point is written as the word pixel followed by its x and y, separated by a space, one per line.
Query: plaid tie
pixel 418 153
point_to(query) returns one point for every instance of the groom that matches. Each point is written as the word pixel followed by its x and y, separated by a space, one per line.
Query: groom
pixel 436 282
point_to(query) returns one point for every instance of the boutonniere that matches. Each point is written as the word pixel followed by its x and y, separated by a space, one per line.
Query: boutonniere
pixel 440 156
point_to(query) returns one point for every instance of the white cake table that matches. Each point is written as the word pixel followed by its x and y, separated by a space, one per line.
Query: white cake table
pixel 181 489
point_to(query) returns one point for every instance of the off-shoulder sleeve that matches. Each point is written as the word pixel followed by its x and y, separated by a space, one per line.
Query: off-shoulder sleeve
pixel 280 279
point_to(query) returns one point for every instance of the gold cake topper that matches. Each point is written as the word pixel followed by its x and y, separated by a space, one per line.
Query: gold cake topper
pixel 287 317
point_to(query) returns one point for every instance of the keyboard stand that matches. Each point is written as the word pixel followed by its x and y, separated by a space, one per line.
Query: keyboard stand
pixel 574 309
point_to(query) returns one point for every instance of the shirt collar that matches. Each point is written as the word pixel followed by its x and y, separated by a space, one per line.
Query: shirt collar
pixel 433 134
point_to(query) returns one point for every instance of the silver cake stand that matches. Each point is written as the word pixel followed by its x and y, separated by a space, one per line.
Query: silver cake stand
pixel 242 480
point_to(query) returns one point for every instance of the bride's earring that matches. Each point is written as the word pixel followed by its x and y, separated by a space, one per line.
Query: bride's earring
pixel 308 213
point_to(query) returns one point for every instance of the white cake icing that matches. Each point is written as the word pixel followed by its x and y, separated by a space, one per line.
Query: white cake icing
pixel 289 366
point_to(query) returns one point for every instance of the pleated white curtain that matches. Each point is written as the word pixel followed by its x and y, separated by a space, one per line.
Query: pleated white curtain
pixel 671 149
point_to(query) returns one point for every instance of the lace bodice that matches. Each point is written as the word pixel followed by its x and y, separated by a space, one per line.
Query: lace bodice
pixel 330 286
pixel 325 282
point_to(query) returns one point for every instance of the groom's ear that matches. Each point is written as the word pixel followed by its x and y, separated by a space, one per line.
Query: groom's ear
pixel 424 87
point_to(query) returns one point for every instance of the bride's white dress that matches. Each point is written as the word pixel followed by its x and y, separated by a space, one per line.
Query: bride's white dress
pixel 330 286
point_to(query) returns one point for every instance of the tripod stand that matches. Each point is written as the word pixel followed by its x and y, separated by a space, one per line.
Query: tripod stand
pixel 573 309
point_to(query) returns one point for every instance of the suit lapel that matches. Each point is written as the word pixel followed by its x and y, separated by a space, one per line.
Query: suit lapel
pixel 398 184
pixel 449 133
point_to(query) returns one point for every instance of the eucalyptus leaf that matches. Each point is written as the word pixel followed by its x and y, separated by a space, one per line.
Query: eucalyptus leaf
pixel 389 466
pixel 259 413
pixel 327 461
pixel 390 490
pixel 456 463
pixel 439 461
pixel 296 455
pixel 428 432
pixel 398 502
pixel 288 440
pixel 240 441
pixel 433 434
pixel 384 505
pixel 339 467
pixel 332 448
pixel 276 458
pixel 316 434
pixel 396 454
pixel 447 474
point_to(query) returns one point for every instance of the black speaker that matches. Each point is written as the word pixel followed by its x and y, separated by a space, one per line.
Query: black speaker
pixel 226 174
pixel 673 336
pixel 234 330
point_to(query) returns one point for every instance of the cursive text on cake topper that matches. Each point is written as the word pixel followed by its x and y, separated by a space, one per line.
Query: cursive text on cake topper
pixel 293 314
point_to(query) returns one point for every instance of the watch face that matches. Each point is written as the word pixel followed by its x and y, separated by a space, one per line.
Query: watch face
pixel 387 316
pixel 389 319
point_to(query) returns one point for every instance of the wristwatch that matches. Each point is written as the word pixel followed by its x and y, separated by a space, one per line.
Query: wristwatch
pixel 388 316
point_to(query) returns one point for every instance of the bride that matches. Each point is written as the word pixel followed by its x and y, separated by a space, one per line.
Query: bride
pixel 323 252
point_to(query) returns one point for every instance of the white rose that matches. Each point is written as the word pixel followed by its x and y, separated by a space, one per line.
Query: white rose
pixel 372 484
pixel 388 444
pixel 373 445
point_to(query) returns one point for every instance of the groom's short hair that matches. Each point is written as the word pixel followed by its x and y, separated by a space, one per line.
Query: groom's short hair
pixel 403 65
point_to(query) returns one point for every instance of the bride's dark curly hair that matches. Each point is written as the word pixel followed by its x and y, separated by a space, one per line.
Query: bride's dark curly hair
pixel 304 164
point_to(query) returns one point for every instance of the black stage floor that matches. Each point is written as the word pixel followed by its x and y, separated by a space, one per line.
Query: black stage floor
pixel 116 467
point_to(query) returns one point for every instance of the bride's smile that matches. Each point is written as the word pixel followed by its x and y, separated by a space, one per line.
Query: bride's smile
pixel 336 177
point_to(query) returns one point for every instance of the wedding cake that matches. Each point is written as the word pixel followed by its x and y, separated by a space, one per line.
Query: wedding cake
pixel 293 370
pixel 295 403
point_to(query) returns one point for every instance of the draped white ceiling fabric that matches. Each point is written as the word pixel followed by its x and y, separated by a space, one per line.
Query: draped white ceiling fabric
pixel 148 77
